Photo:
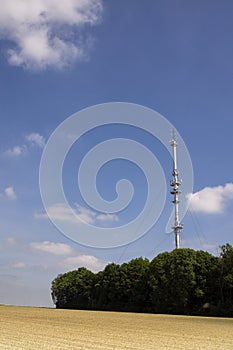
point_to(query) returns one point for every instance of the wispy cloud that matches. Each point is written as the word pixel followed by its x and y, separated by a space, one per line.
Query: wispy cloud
pixel 52 248
pixel 211 200
pixel 10 241
pixel 19 265
pixel 16 151
pixel 63 212
pixel 88 261
pixel 36 139
pixel 32 140
pixel 43 33
pixel 71 258
pixel 9 193
pixel 107 217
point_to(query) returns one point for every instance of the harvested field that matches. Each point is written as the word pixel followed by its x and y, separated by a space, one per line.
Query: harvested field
pixel 26 328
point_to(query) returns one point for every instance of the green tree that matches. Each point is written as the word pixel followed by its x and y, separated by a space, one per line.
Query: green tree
pixel 107 288
pixel 182 281
pixel 122 287
pixel 73 289
pixel 133 284
pixel 226 278
pixel 172 281
pixel 206 291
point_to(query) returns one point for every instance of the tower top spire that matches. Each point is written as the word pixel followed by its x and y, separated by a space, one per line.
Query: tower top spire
pixel 173 132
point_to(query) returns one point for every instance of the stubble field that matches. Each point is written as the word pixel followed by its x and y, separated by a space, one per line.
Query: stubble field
pixel 24 328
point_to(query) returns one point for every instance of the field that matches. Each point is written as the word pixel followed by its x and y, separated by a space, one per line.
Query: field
pixel 26 328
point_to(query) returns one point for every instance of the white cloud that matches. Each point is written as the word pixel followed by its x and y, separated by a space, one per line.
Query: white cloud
pixel 33 139
pixel 84 214
pixel 211 200
pixel 10 241
pixel 19 265
pixel 63 212
pixel 52 248
pixel 47 33
pixel 70 260
pixel 16 151
pixel 10 193
pixel 107 217
pixel 36 139
pixel 88 261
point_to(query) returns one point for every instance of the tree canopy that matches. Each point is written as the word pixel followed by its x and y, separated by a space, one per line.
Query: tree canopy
pixel 183 281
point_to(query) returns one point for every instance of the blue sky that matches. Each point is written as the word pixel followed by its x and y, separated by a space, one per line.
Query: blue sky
pixel 171 56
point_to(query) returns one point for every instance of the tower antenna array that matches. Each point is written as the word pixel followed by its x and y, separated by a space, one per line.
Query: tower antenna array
pixel 175 184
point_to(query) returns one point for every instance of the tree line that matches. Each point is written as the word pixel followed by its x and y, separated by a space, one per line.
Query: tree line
pixel 183 281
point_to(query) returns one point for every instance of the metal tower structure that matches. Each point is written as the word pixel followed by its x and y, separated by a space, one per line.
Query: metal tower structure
pixel 175 184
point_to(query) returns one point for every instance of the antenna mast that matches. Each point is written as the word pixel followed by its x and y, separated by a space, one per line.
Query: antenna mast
pixel 175 184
